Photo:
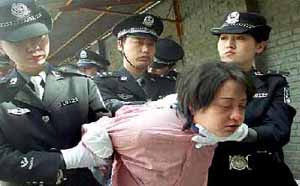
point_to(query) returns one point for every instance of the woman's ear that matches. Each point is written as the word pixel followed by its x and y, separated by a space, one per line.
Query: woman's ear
pixel 261 47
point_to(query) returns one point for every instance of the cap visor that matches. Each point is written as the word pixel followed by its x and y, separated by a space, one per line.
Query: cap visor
pixel 27 32
pixel 229 30
pixel 143 35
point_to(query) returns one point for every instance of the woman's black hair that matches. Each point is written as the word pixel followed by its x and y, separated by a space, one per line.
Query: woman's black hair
pixel 196 88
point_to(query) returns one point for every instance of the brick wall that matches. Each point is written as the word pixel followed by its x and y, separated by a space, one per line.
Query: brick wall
pixel 283 50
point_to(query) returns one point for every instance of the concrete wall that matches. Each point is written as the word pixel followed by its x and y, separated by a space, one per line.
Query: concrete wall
pixel 283 51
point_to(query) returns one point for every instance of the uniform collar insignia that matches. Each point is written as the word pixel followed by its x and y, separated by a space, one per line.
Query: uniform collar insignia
pixel 123 78
pixel 57 74
pixel 13 81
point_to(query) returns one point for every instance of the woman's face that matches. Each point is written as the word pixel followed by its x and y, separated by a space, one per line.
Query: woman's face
pixel 28 55
pixel 240 49
pixel 226 112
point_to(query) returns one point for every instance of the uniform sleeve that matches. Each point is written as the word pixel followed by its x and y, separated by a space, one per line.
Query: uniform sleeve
pixel 109 96
pixel 274 132
pixel 33 166
pixel 96 103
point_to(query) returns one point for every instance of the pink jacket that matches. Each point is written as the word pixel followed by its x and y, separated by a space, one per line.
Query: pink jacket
pixel 151 149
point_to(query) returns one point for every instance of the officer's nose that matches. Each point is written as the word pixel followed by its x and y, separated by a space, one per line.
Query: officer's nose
pixel 230 43
pixel 145 48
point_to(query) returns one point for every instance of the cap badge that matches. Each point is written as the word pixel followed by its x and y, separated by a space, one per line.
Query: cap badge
pixel 83 54
pixel 20 10
pixel 148 21
pixel 233 18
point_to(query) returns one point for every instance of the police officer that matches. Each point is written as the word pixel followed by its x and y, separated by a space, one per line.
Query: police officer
pixel 42 109
pixel 5 66
pixel 91 63
pixel 137 36
pixel 258 160
pixel 167 53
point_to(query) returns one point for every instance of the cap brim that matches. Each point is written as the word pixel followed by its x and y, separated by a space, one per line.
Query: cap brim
pixel 229 30
pixel 27 32
pixel 143 35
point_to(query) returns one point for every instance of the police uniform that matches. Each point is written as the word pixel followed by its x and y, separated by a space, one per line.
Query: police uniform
pixel 259 162
pixel 121 87
pixel 88 58
pixel 34 130
pixel 168 52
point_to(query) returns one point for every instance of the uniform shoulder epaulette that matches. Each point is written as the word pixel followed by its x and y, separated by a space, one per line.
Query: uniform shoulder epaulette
pixel 172 78
pixel 272 73
pixel 109 74
pixel 70 73
pixel 278 72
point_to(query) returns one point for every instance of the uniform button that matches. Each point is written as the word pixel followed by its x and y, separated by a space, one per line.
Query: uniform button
pixel 46 119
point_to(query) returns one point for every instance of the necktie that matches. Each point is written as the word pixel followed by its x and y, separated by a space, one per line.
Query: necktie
pixel 38 83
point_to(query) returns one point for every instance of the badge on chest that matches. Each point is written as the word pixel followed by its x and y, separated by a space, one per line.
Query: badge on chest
pixel 69 101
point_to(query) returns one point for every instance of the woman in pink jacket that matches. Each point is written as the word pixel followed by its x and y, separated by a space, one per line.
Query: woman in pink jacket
pixel 171 142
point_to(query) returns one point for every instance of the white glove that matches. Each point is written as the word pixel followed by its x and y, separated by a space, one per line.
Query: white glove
pixel 205 137
pixel 96 139
pixel 80 157
pixel 91 151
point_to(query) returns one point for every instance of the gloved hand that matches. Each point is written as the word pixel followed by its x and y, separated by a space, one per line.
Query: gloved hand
pixel 91 151
pixel 204 137
pixel 96 139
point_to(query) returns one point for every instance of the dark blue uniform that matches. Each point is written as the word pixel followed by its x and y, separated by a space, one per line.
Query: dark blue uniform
pixel 120 87
pixel 160 86
pixel 259 163
pixel 32 131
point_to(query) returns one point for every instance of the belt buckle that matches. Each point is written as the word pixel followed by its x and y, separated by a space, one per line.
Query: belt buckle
pixel 239 162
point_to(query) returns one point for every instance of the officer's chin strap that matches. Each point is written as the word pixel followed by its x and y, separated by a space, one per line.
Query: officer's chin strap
pixel 123 54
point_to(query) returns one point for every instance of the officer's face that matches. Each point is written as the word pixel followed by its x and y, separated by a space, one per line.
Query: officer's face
pixel 28 55
pixel 139 51
pixel 240 49
pixel 226 112
pixel 90 71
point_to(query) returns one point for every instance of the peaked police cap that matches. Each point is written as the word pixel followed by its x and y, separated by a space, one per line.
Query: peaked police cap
pixel 244 23
pixel 91 58
pixel 144 25
pixel 23 19
pixel 168 52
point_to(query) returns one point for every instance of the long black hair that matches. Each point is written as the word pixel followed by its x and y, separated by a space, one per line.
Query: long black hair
pixel 196 88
